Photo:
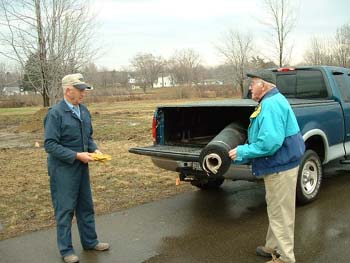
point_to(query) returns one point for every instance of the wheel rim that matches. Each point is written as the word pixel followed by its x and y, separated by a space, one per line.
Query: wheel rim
pixel 309 177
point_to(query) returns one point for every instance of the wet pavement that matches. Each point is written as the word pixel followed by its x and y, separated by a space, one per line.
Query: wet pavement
pixel 222 226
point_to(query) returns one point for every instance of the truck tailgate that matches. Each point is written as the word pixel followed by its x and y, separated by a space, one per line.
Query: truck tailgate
pixel 179 153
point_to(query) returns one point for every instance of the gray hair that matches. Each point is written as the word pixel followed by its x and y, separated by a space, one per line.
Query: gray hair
pixel 65 87
pixel 268 83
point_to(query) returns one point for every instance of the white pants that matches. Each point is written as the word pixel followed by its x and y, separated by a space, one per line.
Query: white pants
pixel 280 198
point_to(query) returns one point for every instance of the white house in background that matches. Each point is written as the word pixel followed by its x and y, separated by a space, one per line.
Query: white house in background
pixel 207 82
pixel 9 91
pixel 164 82
pixel 132 81
pixel 133 84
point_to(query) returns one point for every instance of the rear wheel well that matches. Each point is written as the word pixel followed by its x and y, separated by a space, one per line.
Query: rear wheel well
pixel 316 144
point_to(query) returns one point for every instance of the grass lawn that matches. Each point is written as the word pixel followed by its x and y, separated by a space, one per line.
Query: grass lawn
pixel 127 180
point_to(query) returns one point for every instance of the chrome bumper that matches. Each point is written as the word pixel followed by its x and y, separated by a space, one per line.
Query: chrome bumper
pixel 235 172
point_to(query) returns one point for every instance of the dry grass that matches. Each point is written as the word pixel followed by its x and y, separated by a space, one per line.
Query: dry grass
pixel 128 180
pixel 113 95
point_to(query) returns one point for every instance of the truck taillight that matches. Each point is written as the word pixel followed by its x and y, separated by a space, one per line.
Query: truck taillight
pixel 285 69
pixel 154 129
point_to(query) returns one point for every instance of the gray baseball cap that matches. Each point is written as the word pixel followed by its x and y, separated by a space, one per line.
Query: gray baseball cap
pixel 76 80
pixel 263 74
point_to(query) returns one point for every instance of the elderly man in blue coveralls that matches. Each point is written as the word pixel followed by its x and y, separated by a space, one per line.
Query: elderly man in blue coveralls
pixel 69 142
pixel 275 147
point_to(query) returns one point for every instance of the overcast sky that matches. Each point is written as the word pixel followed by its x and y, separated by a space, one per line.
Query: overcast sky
pixel 128 27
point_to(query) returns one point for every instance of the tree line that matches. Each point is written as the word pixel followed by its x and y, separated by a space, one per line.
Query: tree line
pixel 50 38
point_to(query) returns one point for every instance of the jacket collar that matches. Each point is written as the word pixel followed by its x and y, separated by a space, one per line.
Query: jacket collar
pixel 63 105
pixel 270 93
pixel 70 105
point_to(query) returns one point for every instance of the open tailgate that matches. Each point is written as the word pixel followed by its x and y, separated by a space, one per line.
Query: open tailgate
pixel 179 153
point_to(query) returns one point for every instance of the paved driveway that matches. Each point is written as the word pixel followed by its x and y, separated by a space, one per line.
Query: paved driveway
pixel 223 226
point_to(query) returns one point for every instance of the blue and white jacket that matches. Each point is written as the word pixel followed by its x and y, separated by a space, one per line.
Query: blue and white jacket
pixel 275 143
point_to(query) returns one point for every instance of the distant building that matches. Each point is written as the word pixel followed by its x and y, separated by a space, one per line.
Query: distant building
pixel 212 82
pixel 164 82
pixel 132 82
pixel 10 91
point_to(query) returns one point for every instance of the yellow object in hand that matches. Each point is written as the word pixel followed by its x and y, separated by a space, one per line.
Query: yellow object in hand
pixel 101 157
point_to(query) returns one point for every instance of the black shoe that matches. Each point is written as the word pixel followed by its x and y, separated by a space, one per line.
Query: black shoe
pixel 264 252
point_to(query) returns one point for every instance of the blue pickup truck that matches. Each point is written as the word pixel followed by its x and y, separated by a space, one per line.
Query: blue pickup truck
pixel 320 98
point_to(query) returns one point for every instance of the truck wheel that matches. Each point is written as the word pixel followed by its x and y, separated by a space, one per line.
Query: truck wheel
pixel 208 184
pixel 309 178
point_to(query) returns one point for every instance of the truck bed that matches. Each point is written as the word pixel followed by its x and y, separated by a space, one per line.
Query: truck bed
pixel 187 129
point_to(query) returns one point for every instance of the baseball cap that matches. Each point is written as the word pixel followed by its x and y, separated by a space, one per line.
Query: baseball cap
pixel 76 80
pixel 263 74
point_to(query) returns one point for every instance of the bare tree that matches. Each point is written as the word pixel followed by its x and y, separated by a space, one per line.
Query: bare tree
pixel 335 51
pixel 57 33
pixel 237 49
pixel 342 46
pixel 91 74
pixel 260 63
pixel 203 74
pixel 222 73
pixel 3 76
pixel 320 52
pixel 185 66
pixel 281 19
pixel 104 77
pixel 147 68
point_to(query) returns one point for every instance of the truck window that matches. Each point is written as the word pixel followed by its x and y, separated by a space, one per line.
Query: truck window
pixel 341 82
pixel 286 84
pixel 310 84
pixel 307 84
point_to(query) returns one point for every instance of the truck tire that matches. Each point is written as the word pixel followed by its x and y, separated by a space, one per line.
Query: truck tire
pixel 208 184
pixel 309 178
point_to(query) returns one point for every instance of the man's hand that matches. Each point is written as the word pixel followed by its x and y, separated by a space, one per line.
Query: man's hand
pixel 84 157
pixel 233 153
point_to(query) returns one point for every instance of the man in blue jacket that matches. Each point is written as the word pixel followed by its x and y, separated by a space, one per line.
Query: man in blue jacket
pixel 275 148
pixel 69 142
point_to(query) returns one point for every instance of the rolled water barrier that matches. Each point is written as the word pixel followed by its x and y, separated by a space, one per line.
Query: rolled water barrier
pixel 214 157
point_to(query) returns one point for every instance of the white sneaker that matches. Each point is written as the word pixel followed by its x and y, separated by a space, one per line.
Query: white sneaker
pixel 72 258
pixel 101 246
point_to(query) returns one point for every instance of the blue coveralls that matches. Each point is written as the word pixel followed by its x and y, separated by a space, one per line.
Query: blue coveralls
pixel 65 135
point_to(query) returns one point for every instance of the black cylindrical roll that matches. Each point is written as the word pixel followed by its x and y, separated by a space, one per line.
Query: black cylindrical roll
pixel 214 157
